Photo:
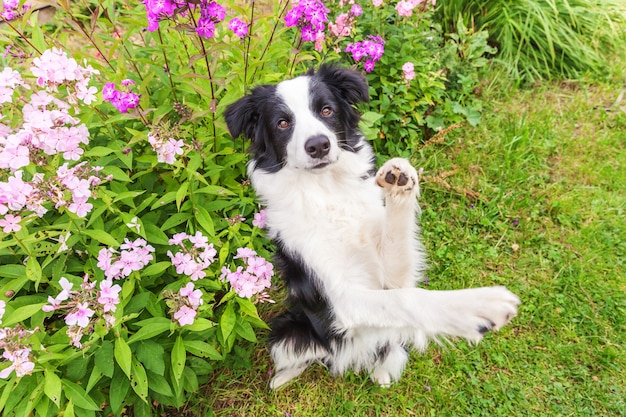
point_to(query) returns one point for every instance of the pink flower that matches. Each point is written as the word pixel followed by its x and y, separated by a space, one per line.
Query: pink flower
pixel 109 295
pixel 377 3
pixel 80 316
pixel 80 208
pixel 409 71
pixel 260 219
pixel 185 315
pixel 10 223
pixel 405 8
pixel 194 296
pixel 22 364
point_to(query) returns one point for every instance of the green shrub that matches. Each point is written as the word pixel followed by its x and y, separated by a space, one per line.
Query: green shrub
pixel 539 39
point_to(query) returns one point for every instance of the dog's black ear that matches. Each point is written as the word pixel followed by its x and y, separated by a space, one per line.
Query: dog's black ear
pixel 242 116
pixel 350 84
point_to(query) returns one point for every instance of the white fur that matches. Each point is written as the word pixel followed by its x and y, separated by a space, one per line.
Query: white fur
pixel 361 238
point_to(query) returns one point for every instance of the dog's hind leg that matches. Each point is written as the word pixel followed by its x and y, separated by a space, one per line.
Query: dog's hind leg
pixel 294 345
pixel 402 254
pixel 390 367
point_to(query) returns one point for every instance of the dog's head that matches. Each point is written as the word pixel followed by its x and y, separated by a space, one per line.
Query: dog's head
pixel 304 123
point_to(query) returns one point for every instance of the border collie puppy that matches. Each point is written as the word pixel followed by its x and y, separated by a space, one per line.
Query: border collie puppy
pixel 346 236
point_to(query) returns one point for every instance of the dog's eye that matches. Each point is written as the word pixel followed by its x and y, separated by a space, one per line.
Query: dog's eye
pixel 326 111
pixel 283 124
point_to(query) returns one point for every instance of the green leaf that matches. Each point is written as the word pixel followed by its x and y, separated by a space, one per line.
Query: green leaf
pixel 150 328
pixel 117 393
pixel 175 220
pixel 179 357
pixel 98 151
pixel 33 269
pixel 244 329
pixel 101 236
pixel 104 358
pixel 199 325
pixel 117 173
pixel 94 378
pixel 12 271
pixel 155 269
pixel 78 396
pixel 181 194
pixel 52 386
pixel 158 383
pixel 123 356
pixel 150 354
pixel 205 220
pixel 155 235
pixel 202 349
pixel 21 314
pixel 227 321
pixel 139 380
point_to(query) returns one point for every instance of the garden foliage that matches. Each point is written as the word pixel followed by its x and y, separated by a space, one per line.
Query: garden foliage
pixel 132 258
pixel 544 39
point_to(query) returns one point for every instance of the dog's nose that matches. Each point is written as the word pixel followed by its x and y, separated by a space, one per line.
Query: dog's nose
pixel 317 146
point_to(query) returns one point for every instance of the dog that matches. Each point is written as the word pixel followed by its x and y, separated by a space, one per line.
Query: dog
pixel 346 236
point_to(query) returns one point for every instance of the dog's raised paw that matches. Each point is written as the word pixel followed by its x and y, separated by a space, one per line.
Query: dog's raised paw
pixel 397 176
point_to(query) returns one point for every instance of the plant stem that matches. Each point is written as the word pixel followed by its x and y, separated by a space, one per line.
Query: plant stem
pixel 167 66
pixel 21 35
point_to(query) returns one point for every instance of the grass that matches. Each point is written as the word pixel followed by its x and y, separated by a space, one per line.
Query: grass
pixel 548 167
pixel 544 39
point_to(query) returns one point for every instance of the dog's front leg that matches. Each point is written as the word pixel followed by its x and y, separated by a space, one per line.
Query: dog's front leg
pixel 401 252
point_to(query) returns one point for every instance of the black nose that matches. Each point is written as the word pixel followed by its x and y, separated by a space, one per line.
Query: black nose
pixel 317 146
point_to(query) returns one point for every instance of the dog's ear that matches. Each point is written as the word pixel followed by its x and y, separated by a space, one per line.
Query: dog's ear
pixel 242 116
pixel 349 84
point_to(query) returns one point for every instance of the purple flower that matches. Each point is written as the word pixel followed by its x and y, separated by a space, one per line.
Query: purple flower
pixel 239 27
pixel 371 48
pixel 310 16
pixel 121 100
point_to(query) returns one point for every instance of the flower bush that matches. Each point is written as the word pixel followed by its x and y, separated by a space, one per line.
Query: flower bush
pixel 132 258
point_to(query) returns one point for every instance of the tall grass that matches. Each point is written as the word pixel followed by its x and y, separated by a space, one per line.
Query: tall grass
pixel 545 39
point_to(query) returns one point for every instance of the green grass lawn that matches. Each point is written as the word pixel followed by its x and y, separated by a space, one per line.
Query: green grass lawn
pixel 536 202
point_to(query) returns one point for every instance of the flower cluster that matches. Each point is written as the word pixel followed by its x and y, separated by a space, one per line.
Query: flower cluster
pixel 17 351
pixel 46 129
pixel 405 7
pixel 84 306
pixel 195 254
pixel 344 22
pixel 123 100
pixel 48 126
pixel 12 9
pixel 165 146
pixel 184 304
pixel 134 255
pixel 210 14
pixel 71 188
pixel 239 27
pixel 159 9
pixel 251 278
pixel 9 80
pixel 310 16
pixel 371 50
